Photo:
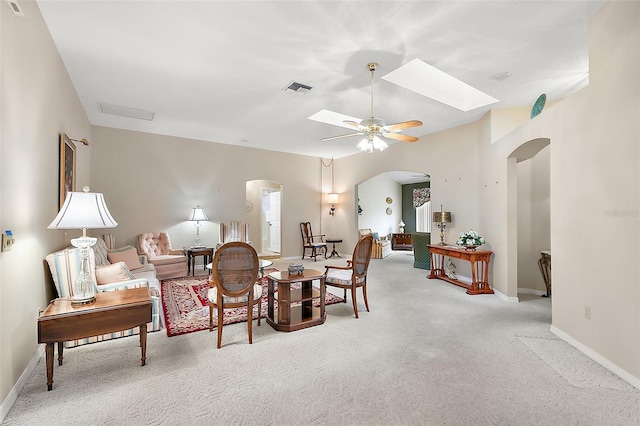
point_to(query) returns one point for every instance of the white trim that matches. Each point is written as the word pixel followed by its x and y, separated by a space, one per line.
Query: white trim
pixel 532 291
pixel 505 297
pixel 17 388
pixel 618 371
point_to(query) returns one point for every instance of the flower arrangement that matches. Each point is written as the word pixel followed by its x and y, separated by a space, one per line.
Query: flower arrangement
pixel 470 238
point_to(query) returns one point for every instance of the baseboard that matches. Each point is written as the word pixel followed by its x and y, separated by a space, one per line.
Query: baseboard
pixel 17 388
pixel 505 297
pixel 531 291
pixel 620 372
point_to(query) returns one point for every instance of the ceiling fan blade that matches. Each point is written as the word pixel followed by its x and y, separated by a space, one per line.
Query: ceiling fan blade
pixel 352 124
pixel 400 137
pixel 403 125
pixel 341 136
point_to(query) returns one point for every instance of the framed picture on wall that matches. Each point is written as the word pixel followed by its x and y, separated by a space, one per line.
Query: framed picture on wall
pixel 67 168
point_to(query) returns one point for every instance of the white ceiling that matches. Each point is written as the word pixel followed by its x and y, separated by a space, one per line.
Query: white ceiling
pixel 216 70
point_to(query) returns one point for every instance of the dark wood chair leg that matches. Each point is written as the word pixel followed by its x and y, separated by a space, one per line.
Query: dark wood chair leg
pixel 220 320
pixel 364 293
pixel 250 320
pixel 355 304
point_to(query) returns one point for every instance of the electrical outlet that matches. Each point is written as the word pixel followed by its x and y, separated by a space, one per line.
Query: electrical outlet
pixel 587 312
pixel 7 240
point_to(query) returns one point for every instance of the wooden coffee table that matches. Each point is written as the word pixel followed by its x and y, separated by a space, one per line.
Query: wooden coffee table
pixel 295 309
pixel 112 311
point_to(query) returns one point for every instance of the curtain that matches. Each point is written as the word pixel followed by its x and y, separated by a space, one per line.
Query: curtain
pixel 421 196
pixel 423 217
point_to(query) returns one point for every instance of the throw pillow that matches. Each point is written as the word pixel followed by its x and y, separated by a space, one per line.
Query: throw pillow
pixel 100 251
pixel 128 255
pixel 375 236
pixel 114 273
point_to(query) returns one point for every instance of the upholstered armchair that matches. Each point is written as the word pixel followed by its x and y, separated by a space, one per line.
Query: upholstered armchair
pixel 169 263
pixel 381 247
pixel 421 254
pixel 234 231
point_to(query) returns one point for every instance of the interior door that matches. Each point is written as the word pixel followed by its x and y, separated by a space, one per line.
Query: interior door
pixel 274 222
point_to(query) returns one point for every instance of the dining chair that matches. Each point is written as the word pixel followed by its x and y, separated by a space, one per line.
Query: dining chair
pixel 315 243
pixel 353 275
pixel 234 283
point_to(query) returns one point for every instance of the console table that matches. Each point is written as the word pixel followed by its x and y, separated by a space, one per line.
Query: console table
pixel 112 311
pixel 401 242
pixel 296 308
pixel 479 267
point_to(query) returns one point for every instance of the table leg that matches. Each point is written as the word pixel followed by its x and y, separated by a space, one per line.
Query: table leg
pixel 60 349
pixel 49 361
pixel 143 342
pixel 544 263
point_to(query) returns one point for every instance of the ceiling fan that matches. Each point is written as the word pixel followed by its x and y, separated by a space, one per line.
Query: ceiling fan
pixel 374 128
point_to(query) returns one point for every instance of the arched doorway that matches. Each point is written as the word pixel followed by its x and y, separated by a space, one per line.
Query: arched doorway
pixel 528 217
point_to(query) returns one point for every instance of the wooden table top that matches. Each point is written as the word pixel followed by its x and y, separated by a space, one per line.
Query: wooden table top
pixel 307 274
pixel 104 301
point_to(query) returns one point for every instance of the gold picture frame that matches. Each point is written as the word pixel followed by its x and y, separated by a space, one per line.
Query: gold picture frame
pixel 67 168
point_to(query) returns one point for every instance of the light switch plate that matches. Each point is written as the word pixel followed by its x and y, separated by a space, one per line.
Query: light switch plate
pixel 7 242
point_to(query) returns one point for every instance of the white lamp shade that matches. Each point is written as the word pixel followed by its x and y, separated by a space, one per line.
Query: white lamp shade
pixel 197 214
pixel 333 198
pixel 83 210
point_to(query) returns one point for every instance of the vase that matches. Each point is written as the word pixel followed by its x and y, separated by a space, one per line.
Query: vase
pixel 470 248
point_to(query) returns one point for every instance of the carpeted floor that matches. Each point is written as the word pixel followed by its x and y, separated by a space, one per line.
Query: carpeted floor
pixel 426 354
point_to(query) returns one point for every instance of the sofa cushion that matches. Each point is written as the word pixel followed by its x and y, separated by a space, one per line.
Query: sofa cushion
pixel 127 254
pixel 113 273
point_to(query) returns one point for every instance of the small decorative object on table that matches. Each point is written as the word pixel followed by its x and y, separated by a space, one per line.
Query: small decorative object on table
pixel 296 269
pixel 470 240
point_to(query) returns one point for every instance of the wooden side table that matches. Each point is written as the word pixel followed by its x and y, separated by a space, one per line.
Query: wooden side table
pixel 193 252
pixel 295 309
pixel 334 241
pixel 112 311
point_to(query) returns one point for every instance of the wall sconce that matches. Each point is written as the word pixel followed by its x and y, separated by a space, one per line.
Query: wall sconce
pixel 333 199
pixel 442 218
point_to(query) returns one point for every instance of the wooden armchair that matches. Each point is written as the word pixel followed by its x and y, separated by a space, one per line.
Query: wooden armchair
pixel 353 275
pixel 315 243
pixel 234 284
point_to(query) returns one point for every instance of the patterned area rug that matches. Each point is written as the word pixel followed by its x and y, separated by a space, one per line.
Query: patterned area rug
pixel 184 301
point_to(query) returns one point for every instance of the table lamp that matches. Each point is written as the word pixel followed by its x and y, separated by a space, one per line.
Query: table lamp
pixel 83 210
pixel 442 218
pixel 197 214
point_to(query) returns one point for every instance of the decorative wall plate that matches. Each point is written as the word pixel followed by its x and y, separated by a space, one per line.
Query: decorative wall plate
pixel 539 105
pixel 389 200
pixel 389 211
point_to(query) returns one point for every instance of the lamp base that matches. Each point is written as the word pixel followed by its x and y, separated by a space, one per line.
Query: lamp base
pixel 85 301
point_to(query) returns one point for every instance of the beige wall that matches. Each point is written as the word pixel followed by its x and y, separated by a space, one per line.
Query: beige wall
pixel 151 182
pixel 38 102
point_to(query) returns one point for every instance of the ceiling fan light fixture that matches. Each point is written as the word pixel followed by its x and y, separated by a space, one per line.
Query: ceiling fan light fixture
pixel 379 144
pixel 365 146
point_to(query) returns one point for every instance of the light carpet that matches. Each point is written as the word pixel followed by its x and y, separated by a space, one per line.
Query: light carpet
pixel 426 354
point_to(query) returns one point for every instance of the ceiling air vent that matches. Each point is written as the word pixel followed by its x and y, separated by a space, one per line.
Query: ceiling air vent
pixel 123 111
pixel 298 88
pixel 15 8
